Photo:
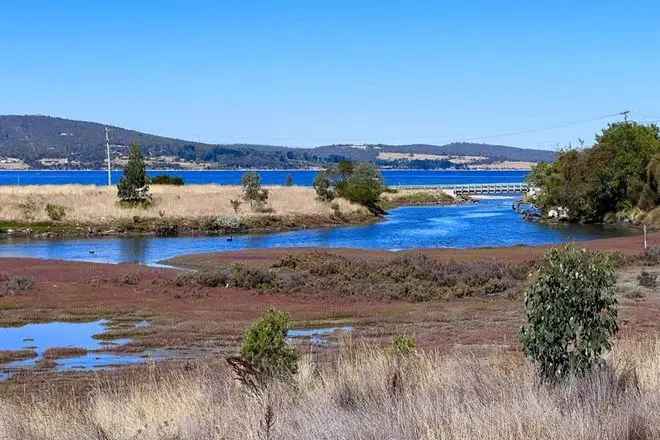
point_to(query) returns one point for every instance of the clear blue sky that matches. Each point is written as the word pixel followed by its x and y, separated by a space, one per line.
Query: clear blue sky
pixel 315 72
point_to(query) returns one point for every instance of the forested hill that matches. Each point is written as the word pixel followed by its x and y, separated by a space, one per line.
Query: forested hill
pixel 49 142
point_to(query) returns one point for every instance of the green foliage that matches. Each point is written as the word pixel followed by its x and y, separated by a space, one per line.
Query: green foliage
pixel 364 185
pixel 571 312
pixel 361 183
pixel 55 212
pixel 650 197
pixel 134 185
pixel 266 349
pixel 252 191
pixel 167 180
pixel 403 345
pixel 610 177
pixel 323 186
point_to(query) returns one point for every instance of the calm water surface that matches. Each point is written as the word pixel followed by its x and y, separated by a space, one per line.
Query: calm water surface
pixel 488 223
pixel 40 337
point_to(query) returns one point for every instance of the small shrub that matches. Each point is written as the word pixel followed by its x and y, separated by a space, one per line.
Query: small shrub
pixel 336 210
pixel 647 279
pixel 29 208
pixel 167 180
pixel 133 189
pixel 251 278
pixel 266 349
pixel 224 224
pixel 571 312
pixel 252 191
pixel 216 278
pixel 236 205
pixel 55 212
pixel 323 187
pixel 19 284
pixel 403 345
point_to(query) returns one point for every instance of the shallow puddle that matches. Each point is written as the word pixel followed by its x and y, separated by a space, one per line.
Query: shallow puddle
pixel 317 336
pixel 41 337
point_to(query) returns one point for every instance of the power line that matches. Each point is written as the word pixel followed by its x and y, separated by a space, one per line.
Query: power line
pixel 554 127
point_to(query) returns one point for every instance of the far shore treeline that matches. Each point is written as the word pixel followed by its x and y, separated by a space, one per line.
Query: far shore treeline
pixel 617 180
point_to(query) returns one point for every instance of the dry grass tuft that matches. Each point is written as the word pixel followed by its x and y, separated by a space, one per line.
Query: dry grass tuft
pixel 94 204
pixel 364 394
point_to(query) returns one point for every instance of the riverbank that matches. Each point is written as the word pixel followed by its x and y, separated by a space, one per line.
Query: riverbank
pixel 71 211
pixel 79 211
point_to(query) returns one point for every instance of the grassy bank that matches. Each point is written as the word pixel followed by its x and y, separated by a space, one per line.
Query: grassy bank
pixel 417 197
pixel 363 393
pixel 91 210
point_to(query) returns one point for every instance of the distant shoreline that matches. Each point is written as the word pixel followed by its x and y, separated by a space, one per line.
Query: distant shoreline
pixel 489 170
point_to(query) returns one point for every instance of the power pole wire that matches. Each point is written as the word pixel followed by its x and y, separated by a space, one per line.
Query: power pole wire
pixel 107 148
pixel 535 130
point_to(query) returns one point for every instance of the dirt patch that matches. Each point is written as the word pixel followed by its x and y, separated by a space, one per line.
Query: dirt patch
pixel 7 356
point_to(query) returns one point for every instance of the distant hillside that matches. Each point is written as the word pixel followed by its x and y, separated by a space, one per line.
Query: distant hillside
pixel 49 142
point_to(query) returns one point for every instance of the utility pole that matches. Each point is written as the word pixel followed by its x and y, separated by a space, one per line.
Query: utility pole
pixel 107 148
pixel 625 115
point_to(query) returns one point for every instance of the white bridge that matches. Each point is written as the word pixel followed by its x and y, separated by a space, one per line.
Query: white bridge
pixel 473 188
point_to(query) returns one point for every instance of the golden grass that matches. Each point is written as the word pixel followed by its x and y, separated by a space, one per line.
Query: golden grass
pixel 94 204
pixel 363 394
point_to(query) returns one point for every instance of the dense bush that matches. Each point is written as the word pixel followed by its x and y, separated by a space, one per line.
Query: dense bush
pixel 251 278
pixel 403 345
pixel 16 284
pixel 571 312
pixel 265 346
pixel 252 191
pixel 361 183
pixel 323 186
pixel 410 277
pixel 364 186
pixel 615 175
pixel 134 185
pixel 164 179
pixel 55 212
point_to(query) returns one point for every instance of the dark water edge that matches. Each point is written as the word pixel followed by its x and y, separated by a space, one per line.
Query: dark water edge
pixel 489 223
pixel 268 177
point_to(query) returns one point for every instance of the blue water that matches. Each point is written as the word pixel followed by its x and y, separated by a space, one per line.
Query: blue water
pixel 228 177
pixel 317 336
pixel 41 337
pixel 487 223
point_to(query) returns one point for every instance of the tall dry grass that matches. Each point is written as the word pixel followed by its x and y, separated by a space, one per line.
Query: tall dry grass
pixel 94 204
pixel 364 394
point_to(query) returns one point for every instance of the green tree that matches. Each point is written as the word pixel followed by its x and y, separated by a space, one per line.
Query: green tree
pixel 650 197
pixel 323 186
pixel 252 191
pixel 364 186
pixel 134 185
pixel 607 178
pixel 266 349
pixel 571 312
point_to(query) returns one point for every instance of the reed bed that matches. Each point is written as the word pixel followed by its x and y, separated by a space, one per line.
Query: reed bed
pixel 362 394
pixel 95 204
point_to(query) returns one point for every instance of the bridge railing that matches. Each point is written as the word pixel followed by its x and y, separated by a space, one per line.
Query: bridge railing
pixel 472 188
